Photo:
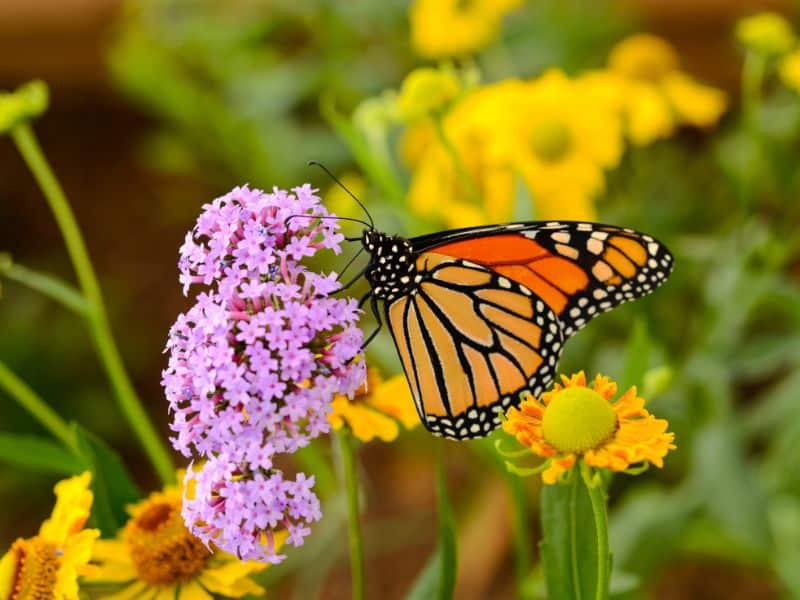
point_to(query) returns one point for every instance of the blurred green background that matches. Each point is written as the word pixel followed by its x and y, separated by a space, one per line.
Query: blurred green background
pixel 159 106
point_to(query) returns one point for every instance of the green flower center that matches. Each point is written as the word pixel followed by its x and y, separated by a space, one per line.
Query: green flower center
pixel 578 419
pixel 550 140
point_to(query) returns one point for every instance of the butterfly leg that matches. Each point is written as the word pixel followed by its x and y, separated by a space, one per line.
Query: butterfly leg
pixel 353 280
pixel 377 313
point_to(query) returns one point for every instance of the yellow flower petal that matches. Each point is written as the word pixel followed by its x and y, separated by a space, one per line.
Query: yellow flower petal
pixel 131 592
pixel 696 104
pixel 393 397
pixel 790 70
pixel 194 591
pixel 766 32
pixel 8 568
pixel 73 503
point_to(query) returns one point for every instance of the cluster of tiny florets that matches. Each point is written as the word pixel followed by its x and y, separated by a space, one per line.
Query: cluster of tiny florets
pixel 255 362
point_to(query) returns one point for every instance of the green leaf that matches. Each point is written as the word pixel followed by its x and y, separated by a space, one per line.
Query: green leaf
pixel 438 578
pixel 730 488
pixel 112 485
pixel 569 541
pixel 34 453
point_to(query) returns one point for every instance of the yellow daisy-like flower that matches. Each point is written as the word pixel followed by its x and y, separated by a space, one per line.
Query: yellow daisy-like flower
pixel 790 70
pixel 560 141
pixel 654 96
pixel 577 421
pixel 767 32
pixel 438 190
pixel 451 28
pixel 376 409
pixel 47 565
pixel 156 557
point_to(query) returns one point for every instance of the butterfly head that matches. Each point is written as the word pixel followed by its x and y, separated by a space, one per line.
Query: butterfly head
pixel 392 271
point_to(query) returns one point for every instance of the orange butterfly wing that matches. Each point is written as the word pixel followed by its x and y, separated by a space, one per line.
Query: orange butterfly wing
pixel 579 269
pixel 471 341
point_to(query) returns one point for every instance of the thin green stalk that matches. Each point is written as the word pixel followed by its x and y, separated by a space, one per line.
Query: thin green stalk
pixel 753 73
pixel 48 286
pixel 447 538
pixel 597 497
pixel 523 553
pixel 38 408
pixel 353 512
pixel 97 319
pixel 461 169
pixel 573 533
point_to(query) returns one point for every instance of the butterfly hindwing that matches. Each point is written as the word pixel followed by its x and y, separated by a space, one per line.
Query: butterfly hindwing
pixel 579 269
pixel 471 340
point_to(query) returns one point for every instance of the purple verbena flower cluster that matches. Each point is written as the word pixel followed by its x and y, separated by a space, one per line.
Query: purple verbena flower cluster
pixel 255 362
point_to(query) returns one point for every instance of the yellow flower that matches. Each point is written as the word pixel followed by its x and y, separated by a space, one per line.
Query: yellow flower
pixel 575 420
pixel 425 91
pixel 790 70
pixel 560 141
pixel 768 33
pixel 47 565
pixel 376 409
pixel 449 28
pixel 438 190
pixel 156 557
pixel 654 96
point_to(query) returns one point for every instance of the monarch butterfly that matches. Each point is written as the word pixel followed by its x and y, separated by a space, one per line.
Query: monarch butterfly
pixel 480 315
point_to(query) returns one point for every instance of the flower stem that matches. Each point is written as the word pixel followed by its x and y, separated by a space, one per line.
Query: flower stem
pixel 597 497
pixel 573 533
pixel 461 169
pixel 38 408
pixel 753 72
pixel 354 514
pixel 96 316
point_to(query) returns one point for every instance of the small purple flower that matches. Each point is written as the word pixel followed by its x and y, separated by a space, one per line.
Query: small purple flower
pixel 256 361
pixel 239 508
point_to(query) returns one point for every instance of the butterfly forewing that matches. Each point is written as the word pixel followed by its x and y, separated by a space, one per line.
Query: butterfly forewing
pixel 579 269
pixel 471 340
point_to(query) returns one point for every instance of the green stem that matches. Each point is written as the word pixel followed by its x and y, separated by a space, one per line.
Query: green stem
pixel 354 514
pixel 461 169
pixel 38 408
pixel 447 540
pixel 753 73
pixel 523 553
pixel 597 497
pixel 48 286
pixel 97 319
pixel 573 533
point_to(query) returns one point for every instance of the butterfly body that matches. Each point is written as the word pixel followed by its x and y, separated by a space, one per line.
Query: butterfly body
pixel 480 315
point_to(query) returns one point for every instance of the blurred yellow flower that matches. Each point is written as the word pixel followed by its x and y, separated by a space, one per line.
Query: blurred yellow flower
pixel 790 70
pixel 425 91
pixel 560 141
pixel 156 557
pixel 767 33
pixel 438 190
pixel 339 201
pixel 47 565
pixel 578 421
pixel 645 83
pixel 376 409
pixel 452 28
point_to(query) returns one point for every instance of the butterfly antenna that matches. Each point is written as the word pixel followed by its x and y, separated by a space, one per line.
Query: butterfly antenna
pixel 344 187
pixel 332 218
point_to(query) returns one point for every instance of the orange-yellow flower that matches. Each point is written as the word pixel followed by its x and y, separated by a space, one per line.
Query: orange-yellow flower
pixel 579 421
pixel 48 565
pixel 452 28
pixel 155 556
pixel 375 410
pixel 654 96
